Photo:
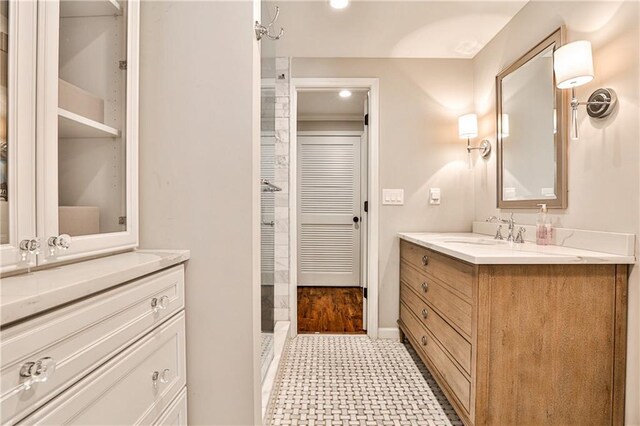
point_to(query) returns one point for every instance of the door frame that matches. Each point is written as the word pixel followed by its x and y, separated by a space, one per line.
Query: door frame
pixel 325 84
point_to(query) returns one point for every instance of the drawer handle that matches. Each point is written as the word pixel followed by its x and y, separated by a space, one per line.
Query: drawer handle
pixel 424 340
pixel 159 304
pixel 424 287
pixel 37 372
pixel 163 377
pixel 424 313
pixel 425 260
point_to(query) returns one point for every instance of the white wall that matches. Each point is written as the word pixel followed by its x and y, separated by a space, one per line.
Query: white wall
pixel 604 164
pixel 199 167
pixel 420 100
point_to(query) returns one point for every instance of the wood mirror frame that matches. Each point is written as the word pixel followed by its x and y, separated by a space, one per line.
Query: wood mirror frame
pixel 560 138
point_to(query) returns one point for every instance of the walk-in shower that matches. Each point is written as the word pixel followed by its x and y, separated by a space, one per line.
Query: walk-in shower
pixel 268 188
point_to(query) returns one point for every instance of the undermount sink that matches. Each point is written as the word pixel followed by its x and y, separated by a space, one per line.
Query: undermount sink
pixel 474 241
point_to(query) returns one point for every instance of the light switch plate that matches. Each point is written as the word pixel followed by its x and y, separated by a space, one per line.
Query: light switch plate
pixel 392 197
pixel 434 196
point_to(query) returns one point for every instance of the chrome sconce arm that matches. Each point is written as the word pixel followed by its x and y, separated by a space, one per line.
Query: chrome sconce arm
pixel 600 104
pixel 484 148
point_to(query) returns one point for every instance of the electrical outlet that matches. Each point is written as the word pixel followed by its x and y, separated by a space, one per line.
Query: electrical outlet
pixel 434 196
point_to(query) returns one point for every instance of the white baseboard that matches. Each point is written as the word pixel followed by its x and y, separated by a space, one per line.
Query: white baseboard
pixel 389 333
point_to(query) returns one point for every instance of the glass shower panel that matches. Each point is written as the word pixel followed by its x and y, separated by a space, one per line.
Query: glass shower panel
pixel 267 209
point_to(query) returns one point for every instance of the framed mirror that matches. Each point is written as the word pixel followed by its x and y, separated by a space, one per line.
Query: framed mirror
pixel 531 130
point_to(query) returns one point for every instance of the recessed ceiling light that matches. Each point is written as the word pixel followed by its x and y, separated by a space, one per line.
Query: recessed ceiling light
pixel 339 4
pixel 345 93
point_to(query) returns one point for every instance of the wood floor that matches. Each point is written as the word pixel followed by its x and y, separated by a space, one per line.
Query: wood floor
pixel 330 310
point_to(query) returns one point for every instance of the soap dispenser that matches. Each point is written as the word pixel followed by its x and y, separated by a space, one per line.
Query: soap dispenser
pixel 543 227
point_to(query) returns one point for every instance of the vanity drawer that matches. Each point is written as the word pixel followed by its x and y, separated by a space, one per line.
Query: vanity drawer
pixel 81 336
pixel 458 275
pixel 122 391
pixel 454 309
pixel 450 339
pixel 426 343
pixel 176 413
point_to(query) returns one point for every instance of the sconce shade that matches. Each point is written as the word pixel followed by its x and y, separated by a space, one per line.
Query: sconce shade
pixel 468 126
pixel 573 64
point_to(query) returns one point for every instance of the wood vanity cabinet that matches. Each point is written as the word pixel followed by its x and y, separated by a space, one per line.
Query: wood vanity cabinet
pixel 518 344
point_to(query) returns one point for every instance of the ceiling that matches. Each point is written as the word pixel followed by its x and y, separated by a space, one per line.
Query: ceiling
pixel 328 105
pixel 390 29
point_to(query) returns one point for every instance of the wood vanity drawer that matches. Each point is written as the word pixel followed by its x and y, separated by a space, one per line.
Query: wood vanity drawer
pixel 454 309
pixel 122 391
pixel 456 274
pixel 81 336
pixel 425 342
pixel 450 339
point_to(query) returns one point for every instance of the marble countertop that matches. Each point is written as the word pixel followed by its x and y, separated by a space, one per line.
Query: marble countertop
pixel 482 249
pixel 27 294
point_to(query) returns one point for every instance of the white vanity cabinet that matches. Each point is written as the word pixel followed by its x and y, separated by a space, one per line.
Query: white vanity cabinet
pixel 17 122
pixel 72 179
pixel 116 356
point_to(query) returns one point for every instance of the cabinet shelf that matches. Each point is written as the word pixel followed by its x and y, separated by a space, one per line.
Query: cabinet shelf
pixel 77 9
pixel 74 126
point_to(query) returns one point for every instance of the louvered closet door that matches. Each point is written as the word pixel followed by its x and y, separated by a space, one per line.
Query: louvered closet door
pixel 328 201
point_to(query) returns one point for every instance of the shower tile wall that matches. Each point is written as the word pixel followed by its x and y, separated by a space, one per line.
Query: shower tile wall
pixel 282 267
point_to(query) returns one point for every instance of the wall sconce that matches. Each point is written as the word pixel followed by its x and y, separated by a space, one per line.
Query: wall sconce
pixel 573 66
pixel 467 129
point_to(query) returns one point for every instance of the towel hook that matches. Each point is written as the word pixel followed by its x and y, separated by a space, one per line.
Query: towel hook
pixel 261 30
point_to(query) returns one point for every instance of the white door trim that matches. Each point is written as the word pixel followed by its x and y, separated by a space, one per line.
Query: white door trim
pixel 321 84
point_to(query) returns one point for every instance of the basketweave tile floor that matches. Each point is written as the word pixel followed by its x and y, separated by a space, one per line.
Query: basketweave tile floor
pixel 352 380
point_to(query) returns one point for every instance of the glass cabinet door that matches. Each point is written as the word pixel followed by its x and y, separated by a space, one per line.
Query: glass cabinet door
pixel 18 241
pixel 90 136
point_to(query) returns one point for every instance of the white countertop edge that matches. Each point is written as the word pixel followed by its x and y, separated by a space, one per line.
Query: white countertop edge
pixel 24 295
pixel 506 255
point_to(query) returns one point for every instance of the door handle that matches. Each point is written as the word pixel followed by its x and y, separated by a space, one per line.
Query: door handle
pixel 356 219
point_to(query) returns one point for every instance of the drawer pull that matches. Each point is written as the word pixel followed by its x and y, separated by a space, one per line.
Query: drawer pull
pixel 163 377
pixel 424 313
pixel 424 340
pixel 37 372
pixel 159 304
pixel 424 287
pixel 425 260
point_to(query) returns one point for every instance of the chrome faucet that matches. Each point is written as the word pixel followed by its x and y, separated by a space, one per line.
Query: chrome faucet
pixel 511 225
pixel 520 237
